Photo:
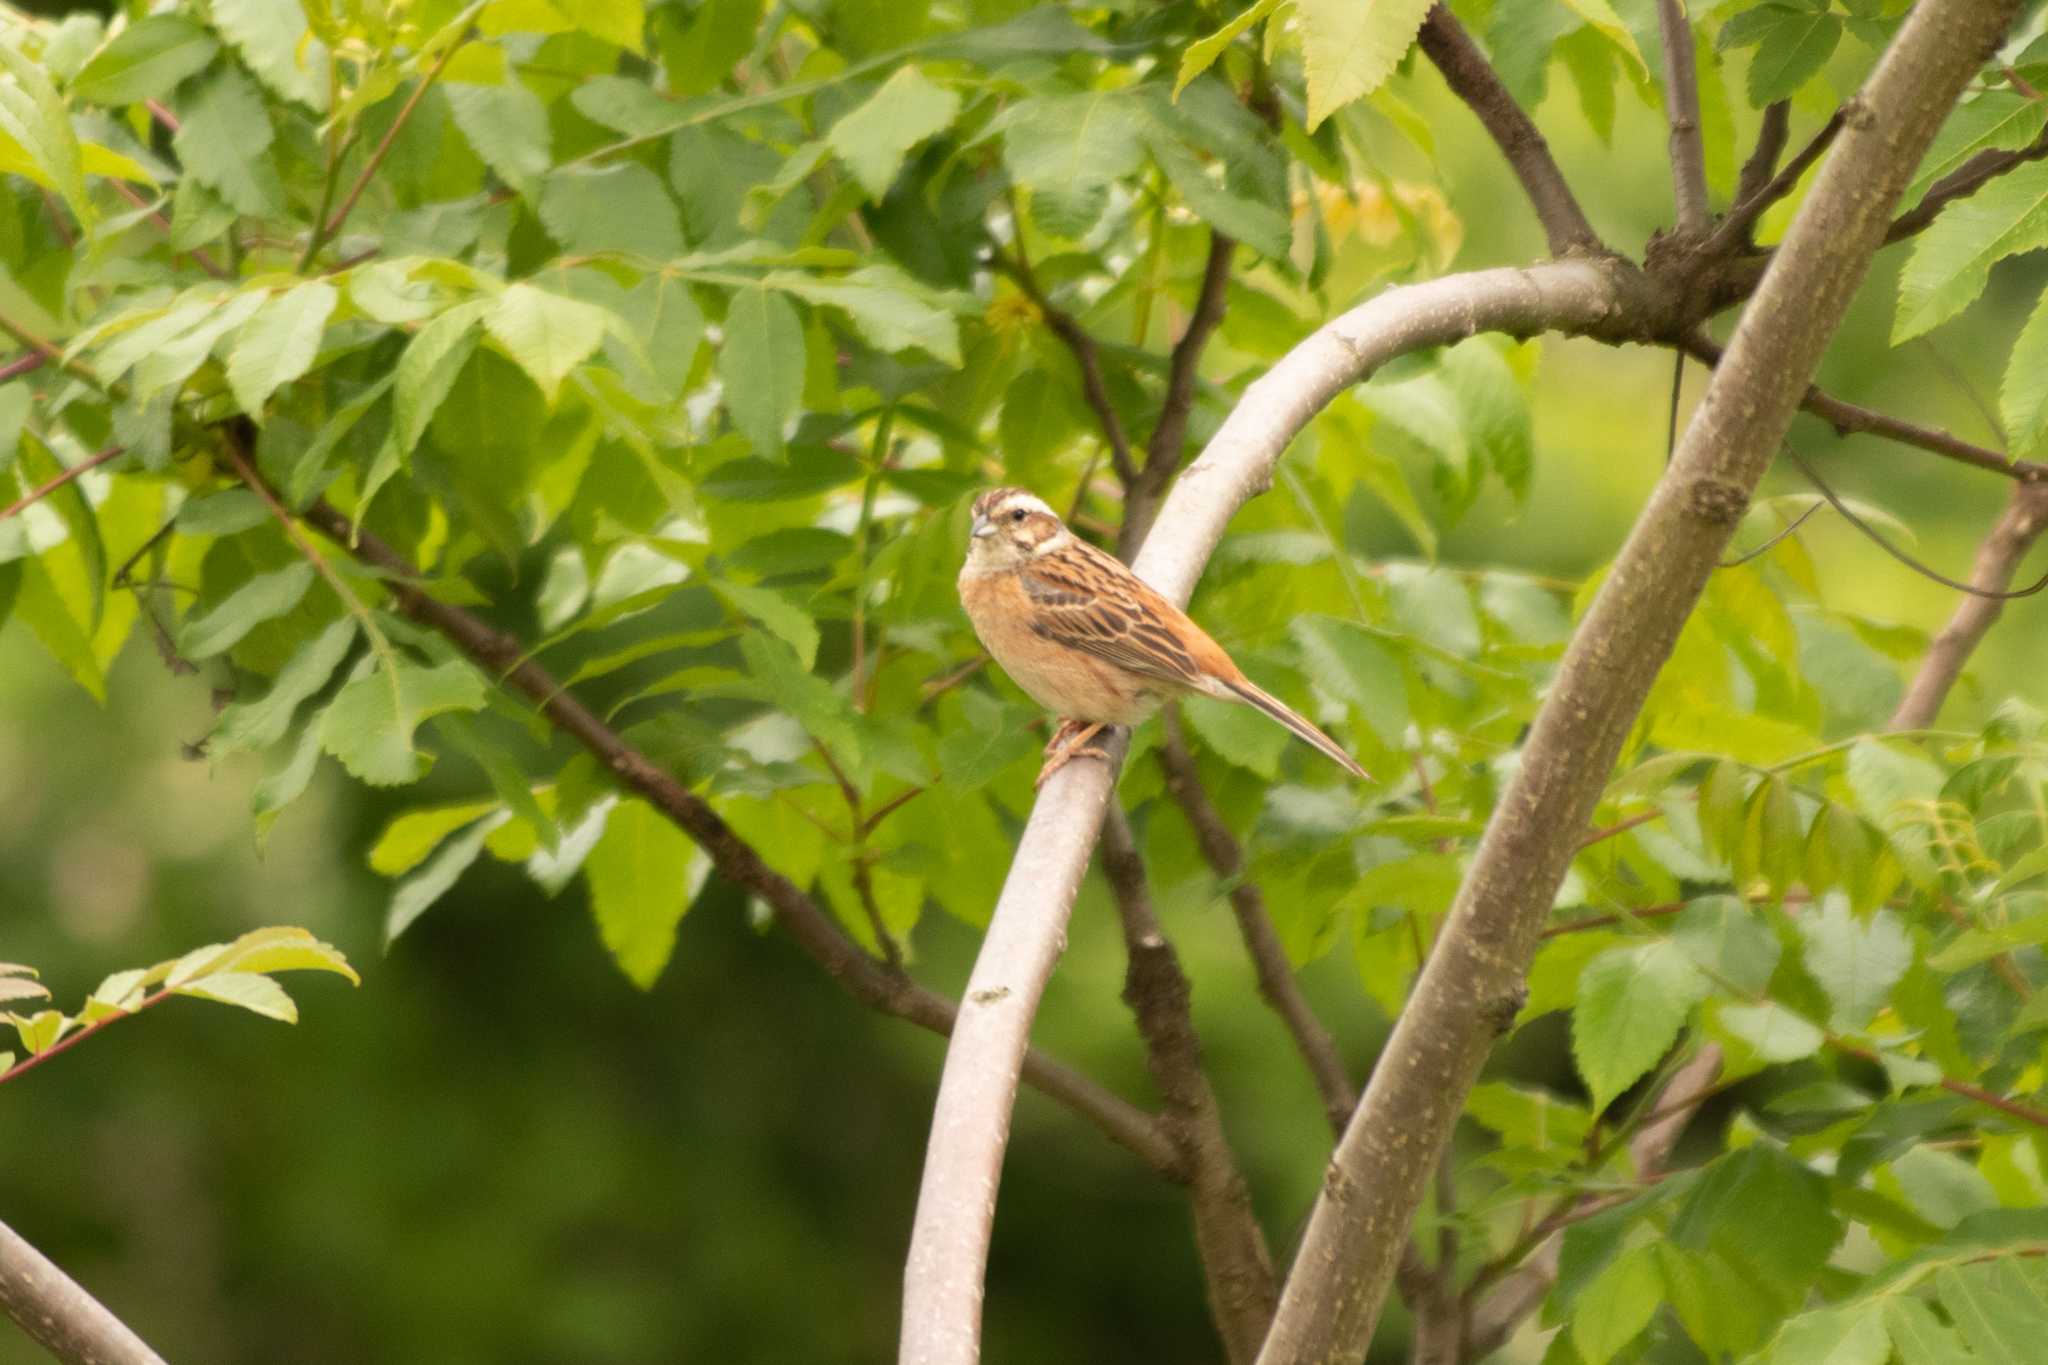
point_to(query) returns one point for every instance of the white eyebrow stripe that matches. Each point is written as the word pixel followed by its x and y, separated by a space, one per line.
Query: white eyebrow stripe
pixel 1030 502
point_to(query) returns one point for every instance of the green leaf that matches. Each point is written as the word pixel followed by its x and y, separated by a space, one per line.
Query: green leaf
pixel 278 948
pixel 874 138
pixel 1203 52
pixel 81 524
pixel 891 310
pixel 547 334
pixel 1857 962
pixel 145 61
pixel 1616 1305
pixel 1951 261
pixel 262 598
pixel 257 994
pixel 370 724
pixel 1919 1336
pixel 1632 1003
pixel 1530 1118
pixel 427 371
pixel 34 116
pixel 623 207
pixel 1729 941
pixel 1601 17
pixel 988 737
pixel 2023 398
pixel 411 897
pixel 1792 43
pixel 409 838
pixel 1831 1336
pixel 279 343
pixel 1074 142
pixel 1255 223
pixel 1351 664
pixel 643 875
pixel 272 38
pixel 1350 47
pixel 814 703
pixel 1996 120
pixel 507 125
pixel 789 622
pixel 1771 1031
pixel 762 366
pixel 260 723
pixel 224 143
pixel 1240 735
pixel 1998 1305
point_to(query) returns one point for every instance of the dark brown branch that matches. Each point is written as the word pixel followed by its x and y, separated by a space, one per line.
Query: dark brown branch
pixel 1847 417
pixel 868 981
pixel 21 365
pixel 1473 80
pixel 1763 158
pixel 1235 1262
pixel 1973 175
pixel 1086 356
pixel 1269 959
pixel 1734 229
pixel 1183 369
pixel 1682 111
pixel 1998 560
pixel 59 1314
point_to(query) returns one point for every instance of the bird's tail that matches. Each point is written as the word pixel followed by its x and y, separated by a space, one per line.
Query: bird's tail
pixel 1246 692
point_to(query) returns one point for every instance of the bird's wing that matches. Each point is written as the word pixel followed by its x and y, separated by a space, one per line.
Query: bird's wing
pixel 1088 601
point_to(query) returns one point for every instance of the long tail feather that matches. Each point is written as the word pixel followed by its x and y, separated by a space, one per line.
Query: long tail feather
pixel 1287 716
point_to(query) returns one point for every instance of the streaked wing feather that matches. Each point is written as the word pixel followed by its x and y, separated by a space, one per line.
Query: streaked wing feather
pixel 1092 603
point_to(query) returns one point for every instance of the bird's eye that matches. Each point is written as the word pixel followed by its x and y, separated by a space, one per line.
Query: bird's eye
pixel 1017 515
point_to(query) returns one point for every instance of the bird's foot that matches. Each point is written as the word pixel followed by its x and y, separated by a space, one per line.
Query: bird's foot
pixel 1069 742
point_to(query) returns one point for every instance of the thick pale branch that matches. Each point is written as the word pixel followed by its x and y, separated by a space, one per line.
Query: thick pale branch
pixel 970 1123
pixel 1269 959
pixel 61 1316
pixel 1998 560
pixel 1235 1262
pixel 1472 79
pixel 868 981
pixel 1472 986
pixel 1682 111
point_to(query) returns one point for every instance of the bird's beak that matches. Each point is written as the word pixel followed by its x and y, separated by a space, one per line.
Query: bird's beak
pixel 982 527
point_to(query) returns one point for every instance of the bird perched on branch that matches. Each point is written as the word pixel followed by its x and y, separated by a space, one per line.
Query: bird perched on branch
pixel 1088 639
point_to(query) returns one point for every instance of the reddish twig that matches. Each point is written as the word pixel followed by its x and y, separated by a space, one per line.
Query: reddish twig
pixel 51 485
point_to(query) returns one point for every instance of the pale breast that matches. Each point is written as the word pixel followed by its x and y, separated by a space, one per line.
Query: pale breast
pixel 1064 680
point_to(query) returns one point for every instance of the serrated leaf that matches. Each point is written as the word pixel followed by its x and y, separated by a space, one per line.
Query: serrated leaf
pixel 272 37
pixel 1242 736
pixel 1348 662
pixel 427 371
pixel 1856 961
pixel 279 343
pixel 411 897
pixel 507 126
pixel 2023 397
pixel 260 723
pixel 409 838
pixel 145 61
pixel 874 138
pixel 762 366
pixel 1350 47
pixel 34 117
pixel 224 142
pixel 1602 19
pixel 814 703
pixel 547 334
pixel 643 873
pixel 784 618
pixel 370 724
pixel 257 994
pixel 1997 120
pixel 262 598
pixel 1616 1305
pixel 1632 1003
pixel 1792 43
pixel 1951 262
pixel 624 207
pixel 890 309
pixel 1203 52
pixel 1772 1032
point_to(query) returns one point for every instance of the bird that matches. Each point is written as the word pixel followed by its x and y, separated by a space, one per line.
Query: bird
pixel 1088 639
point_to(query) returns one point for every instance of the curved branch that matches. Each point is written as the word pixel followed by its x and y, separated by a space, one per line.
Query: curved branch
pixel 1682 112
pixel 1473 984
pixel 1998 559
pixel 949 1243
pixel 61 1316
pixel 1472 79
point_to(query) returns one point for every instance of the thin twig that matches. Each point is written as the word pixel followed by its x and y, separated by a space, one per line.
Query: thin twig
pixel 77 1036
pixel 1087 356
pixel 1973 175
pixel 2025 1113
pixel 1269 958
pixel 22 365
pixel 1682 110
pixel 1472 79
pixel 1847 417
pixel 1783 534
pixel 1236 1265
pixel 325 233
pixel 2024 519
pixel 57 481
pixel 1735 227
pixel 198 255
pixel 1770 145
pixel 1169 434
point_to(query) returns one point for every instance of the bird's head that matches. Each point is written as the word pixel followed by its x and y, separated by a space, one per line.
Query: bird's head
pixel 1011 526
